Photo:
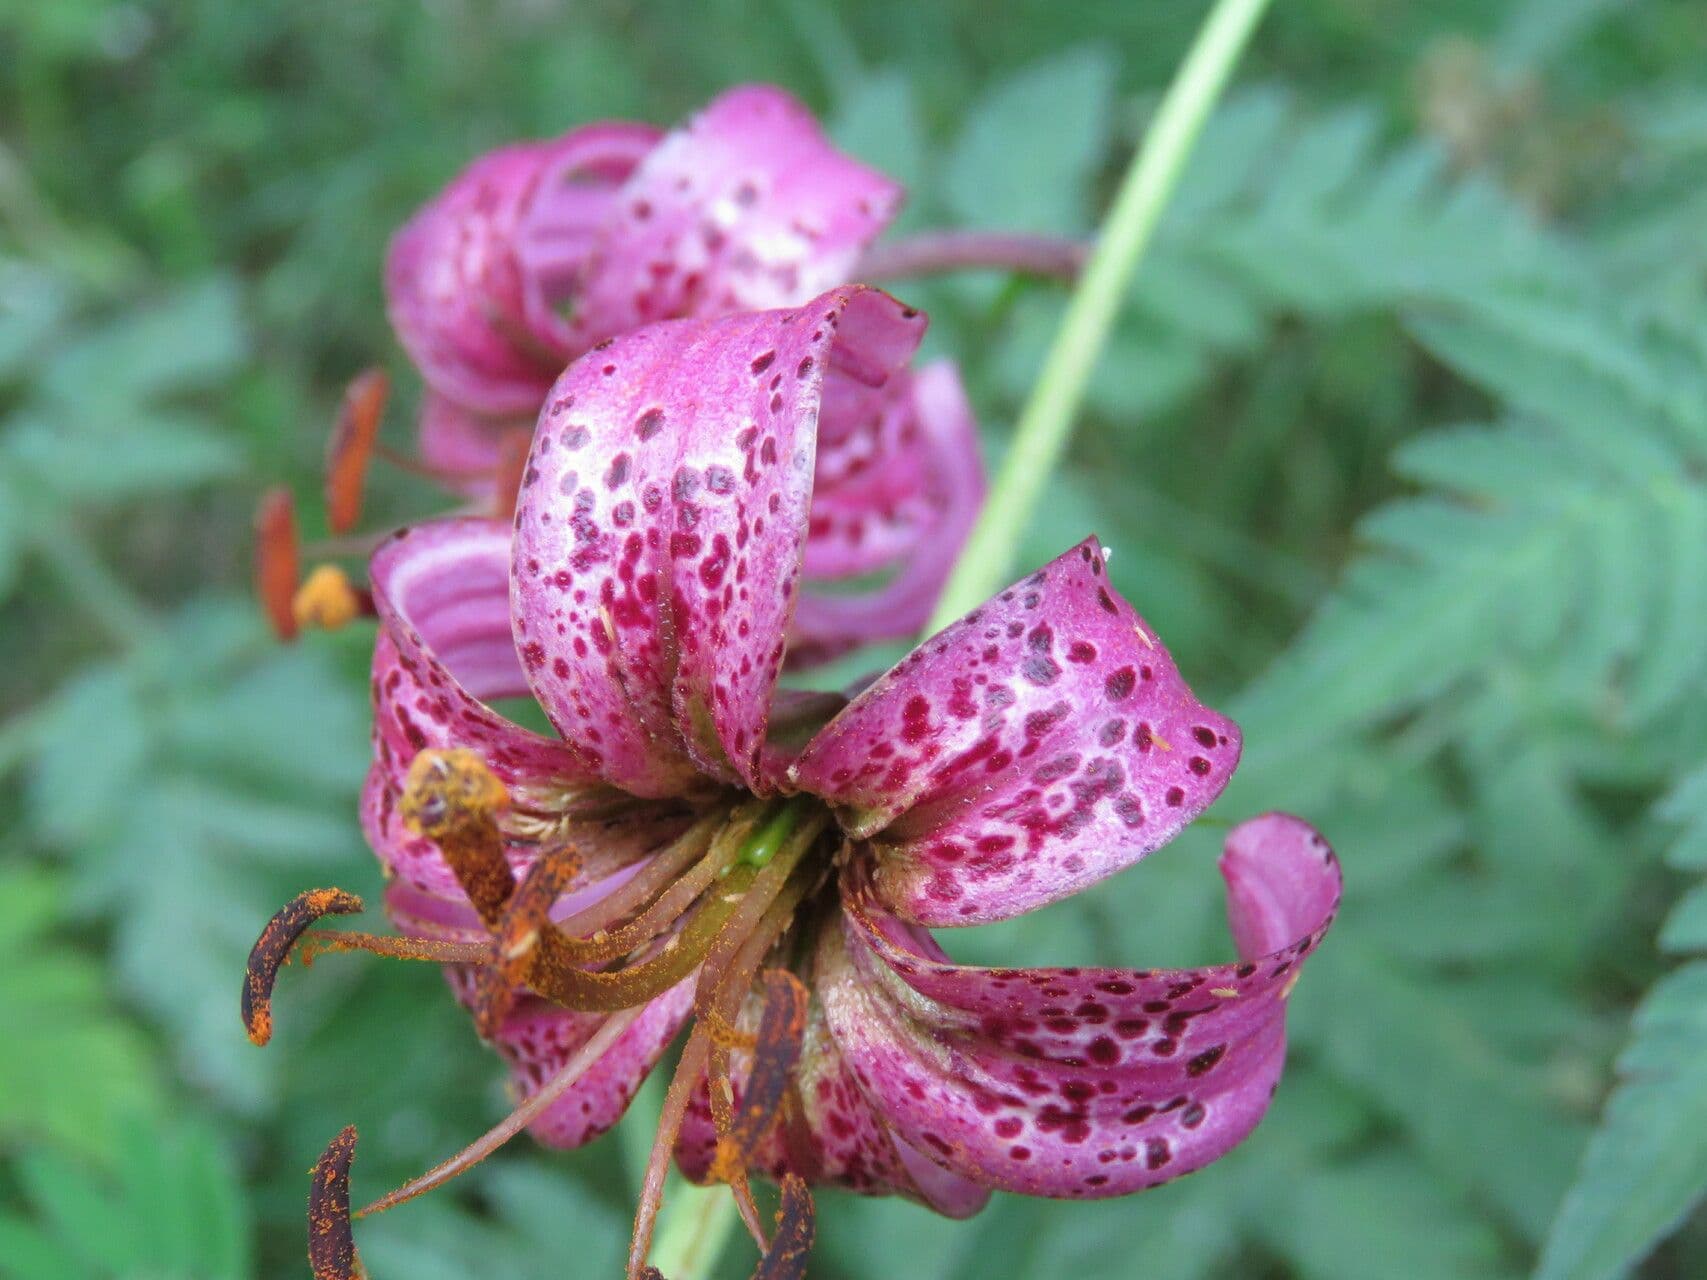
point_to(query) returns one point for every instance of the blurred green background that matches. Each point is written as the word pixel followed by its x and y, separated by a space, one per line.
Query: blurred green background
pixel 1401 445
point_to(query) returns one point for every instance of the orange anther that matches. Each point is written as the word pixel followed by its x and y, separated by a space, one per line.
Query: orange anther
pixel 350 446
pixel 277 564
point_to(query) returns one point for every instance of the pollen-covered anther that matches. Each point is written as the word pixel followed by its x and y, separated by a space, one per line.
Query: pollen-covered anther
pixel 448 791
pixel 331 1244
pixel 796 1226
pixel 327 600
pixel 273 946
pixel 776 1049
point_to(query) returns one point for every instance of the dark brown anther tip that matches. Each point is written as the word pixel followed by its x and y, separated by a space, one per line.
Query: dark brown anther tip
pixel 350 447
pixel 273 946
pixel 776 1050
pixel 796 1227
pixel 331 1243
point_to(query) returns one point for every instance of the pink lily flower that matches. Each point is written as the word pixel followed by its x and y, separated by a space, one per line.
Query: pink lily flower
pixel 538 252
pixel 701 843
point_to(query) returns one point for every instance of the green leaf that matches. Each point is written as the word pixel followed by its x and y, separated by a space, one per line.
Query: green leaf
pixel 1567 543
pixel 171 1208
pixel 1420 1058
pixel 1378 1214
pixel 197 785
pixel 1646 1165
pixel 189 339
pixel 543 1226
pixel 55 1006
pixel 144 454
pixel 877 120
pixel 11 536
pixel 1031 145
pixel 33 303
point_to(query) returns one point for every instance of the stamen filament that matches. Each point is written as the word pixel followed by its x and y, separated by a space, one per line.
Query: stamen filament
pixel 728 985
pixel 688 1072
pixel 680 894
pixel 524 1115
pixel 721 1004
pixel 773 886
pixel 936 252
pixel 318 942
pixel 414 466
pixel 557 975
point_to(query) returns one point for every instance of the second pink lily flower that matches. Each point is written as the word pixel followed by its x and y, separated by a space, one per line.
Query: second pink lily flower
pixel 539 251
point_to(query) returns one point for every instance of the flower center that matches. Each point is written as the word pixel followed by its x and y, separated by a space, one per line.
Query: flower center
pixel 714 904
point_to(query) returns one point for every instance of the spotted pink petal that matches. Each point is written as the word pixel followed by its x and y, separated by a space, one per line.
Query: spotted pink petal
pixel 1081 1082
pixel 898 492
pixel 538 1038
pixel 747 207
pixel 1044 741
pixel 660 526
pixel 477 322
pixel 837 1138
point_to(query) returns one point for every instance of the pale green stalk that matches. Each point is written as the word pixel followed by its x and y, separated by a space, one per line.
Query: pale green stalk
pixel 692 1228
pixel 1047 419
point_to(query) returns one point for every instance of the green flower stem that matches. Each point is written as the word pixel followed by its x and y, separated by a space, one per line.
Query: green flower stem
pixel 1047 420
pixel 695 1222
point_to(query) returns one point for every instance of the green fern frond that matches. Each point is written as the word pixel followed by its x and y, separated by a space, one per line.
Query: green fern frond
pixel 1646 1165
pixel 1570 540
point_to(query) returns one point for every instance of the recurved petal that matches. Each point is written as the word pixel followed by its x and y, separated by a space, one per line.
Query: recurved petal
pixel 745 208
pixel 899 491
pixel 829 1133
pixel 444 650
pixel 660 528
pixel 475 318
pixel 1081 1082
pixel 1044 741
